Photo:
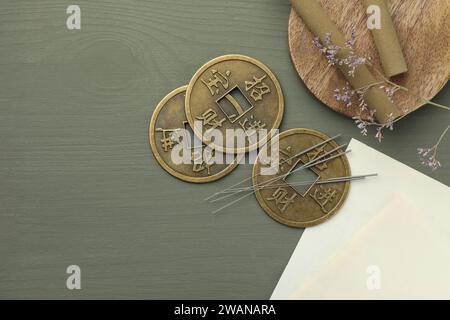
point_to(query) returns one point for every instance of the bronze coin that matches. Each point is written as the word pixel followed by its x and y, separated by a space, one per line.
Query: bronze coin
pixel 311 203
pixel 164 134
pixel 234 92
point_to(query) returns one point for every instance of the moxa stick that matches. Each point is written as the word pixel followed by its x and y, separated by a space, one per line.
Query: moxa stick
pixel 386 39
pixel 319 23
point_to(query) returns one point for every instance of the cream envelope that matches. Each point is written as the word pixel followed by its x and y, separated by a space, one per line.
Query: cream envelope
pixel 396 255
pixel 431 202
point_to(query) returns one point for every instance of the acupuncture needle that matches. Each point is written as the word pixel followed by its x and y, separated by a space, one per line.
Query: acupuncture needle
pixel 311 163
pixel 303 183
pixel 284 161
pixel 305 166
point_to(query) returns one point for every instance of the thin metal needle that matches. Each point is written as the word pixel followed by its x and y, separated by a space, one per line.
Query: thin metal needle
pixel 302 183
pixel 306 165
pixel 329 180
pixel 284 161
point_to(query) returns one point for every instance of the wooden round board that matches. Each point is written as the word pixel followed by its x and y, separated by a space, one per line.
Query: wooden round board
pixel 423 30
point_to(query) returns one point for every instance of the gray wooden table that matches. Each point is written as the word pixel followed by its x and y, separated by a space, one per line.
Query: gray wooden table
pixel 78 182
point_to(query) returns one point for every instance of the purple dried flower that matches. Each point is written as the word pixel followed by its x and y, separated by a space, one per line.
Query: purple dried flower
pixel 379 135
pixel 361 124
pixel 428 157
pixel 330 50
pixel 316 43
pixel 351 42
pixel 362 102
pixel 352 61
pixel 390 91
pixel 423 151
pixel 345 95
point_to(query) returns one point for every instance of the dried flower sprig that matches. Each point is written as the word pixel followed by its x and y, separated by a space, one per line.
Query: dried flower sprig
pixel 346 94
pixel 363 124
pixel 330 50
pixel 428 155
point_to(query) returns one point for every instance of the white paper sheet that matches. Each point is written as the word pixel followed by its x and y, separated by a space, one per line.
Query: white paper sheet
pixel 366 198
pixel 395 255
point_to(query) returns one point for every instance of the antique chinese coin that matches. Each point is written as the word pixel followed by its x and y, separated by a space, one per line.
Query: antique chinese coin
pixel 240 97
pixel 293 194
pixel 177 150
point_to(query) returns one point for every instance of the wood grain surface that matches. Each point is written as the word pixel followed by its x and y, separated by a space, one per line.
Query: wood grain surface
pixel 78 182
pixel 423 31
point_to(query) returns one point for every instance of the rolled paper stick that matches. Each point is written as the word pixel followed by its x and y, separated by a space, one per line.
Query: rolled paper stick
pixel 316 19
pixel 386 41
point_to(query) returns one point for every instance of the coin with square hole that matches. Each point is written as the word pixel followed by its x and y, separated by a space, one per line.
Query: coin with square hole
pixel 165 134
pixel 299 193
pixel 234 92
